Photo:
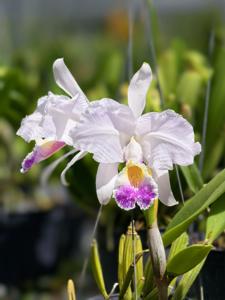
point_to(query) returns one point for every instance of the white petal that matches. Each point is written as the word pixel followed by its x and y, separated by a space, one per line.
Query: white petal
pixel 166 139
pixel 62 115
pixel 105 180
pixel 66 81
pixel 50 168
pixel 30 128
pixel 77 157
pixel 100 128
pixel 164 189
pixel 138 89
pixel 53 119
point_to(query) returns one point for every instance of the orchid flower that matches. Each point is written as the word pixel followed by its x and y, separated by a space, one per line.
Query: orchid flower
pixel 147 145
pixel 55 115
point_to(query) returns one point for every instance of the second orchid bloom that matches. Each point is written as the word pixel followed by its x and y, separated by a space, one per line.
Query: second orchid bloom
pixel 146 145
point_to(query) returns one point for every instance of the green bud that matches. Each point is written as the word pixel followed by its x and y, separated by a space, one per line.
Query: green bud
pixel 128 259
pixel 97 269
pixel 71 290
pixel 139 265
pixel 120 260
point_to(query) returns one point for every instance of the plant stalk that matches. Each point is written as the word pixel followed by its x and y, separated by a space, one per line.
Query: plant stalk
pixel 157 251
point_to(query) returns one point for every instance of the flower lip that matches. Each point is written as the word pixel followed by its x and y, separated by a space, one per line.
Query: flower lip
pixel 135 185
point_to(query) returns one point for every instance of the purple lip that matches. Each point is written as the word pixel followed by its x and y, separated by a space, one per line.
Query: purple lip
pixel 127 196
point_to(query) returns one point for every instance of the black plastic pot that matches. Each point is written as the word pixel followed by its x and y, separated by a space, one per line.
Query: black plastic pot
pixel 211 280
pixel 35 244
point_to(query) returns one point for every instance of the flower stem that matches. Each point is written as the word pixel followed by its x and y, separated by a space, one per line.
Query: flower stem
pixel 157 251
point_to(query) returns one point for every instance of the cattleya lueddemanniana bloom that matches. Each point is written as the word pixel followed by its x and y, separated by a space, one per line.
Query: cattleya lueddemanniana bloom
pixel 148 144
pixel 51 122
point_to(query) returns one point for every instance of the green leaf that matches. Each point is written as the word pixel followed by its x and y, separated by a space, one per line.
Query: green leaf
pixel 154 295
pixel 193 177
pixel 179 244
pixel 187 259
pixel 215 223
pixel 186 282
pixel 193 207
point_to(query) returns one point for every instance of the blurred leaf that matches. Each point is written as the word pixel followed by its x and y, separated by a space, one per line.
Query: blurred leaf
pixel 193 177
pixel 98 92
pixel 216 117
pixel 186 282
pixel 168 72
pixel 211 161
pixel 187 259
pixel 193 207
pixel 215 223
pixel 189 87
pixel 112 69
pixel 198 62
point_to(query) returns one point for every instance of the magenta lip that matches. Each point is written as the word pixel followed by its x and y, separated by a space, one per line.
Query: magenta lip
pixel 127 196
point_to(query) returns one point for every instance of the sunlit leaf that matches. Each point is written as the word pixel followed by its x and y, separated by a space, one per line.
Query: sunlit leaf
pixel 193 207
pixel 179 244
pixel 187 259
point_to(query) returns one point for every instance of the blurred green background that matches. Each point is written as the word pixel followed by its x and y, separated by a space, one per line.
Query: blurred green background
pixel 45 231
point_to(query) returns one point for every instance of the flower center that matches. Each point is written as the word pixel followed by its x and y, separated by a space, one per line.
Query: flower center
pixel 135 175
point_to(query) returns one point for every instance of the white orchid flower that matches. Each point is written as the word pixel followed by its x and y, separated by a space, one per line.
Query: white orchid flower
pixel 148 144
pixel 55 115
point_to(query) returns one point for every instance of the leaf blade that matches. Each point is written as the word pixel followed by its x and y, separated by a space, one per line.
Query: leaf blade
pixel 215 223
pixel 192 177
pixel 187 259
pixel 193 207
